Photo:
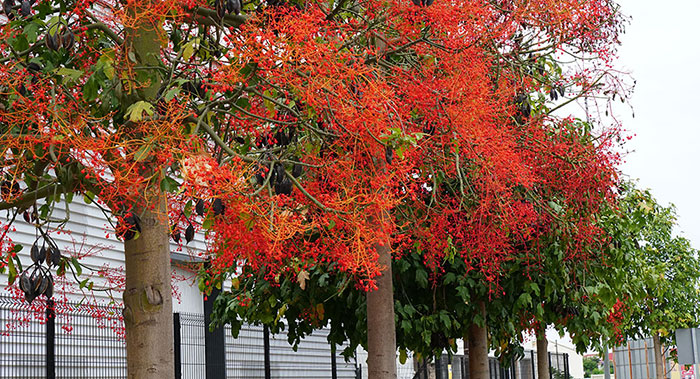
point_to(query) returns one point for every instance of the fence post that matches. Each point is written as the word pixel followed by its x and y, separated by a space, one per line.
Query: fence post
pixel 178 346
pixel 334 365
pixel 266 346
pixel 566 365
pixel 532 364
pixel 438 368
pixel 50 339
pixel 214 349
pixel 549 358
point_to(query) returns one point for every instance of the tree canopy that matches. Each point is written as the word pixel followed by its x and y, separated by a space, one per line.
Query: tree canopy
pixel 304 132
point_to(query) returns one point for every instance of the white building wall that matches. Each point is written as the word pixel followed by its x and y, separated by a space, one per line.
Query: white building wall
pixel 88 236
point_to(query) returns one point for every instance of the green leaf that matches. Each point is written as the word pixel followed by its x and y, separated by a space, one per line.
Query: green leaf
pixel 207 223
pixel 18 264
pixel 90 89
pixel 76 264
pixel 61 268
pixel 135 110
pixel 31 30
pixel 88 197
pixel 20 42
pixel 171 93
pixel 188 50
pixel 243 102
pixel 403 356
pixel 422 278
pixel 143 152
pixel 69 73
pixel 445 320
pixel 106 63
pixel 169 184
pixel 13 272
pixel 524 298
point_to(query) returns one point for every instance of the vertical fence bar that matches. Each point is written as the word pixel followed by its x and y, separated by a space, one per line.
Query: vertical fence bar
pixel 334 366
pixel 532 364
pixel 566 365
pixel 50 340
pixel 438 368
pixel 266 342
pixel 214 348
pixel 177 346
pixel 549 359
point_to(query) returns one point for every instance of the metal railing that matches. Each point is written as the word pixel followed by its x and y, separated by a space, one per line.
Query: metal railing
pixel 70 341
pixel 457 367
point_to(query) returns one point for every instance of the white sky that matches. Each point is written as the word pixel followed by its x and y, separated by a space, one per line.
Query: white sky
pixel 661 49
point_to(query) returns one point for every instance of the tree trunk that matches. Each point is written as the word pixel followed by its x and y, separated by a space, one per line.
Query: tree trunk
pixel 148 308
pixel 542 354
pixel 660 361
pixel 478 350
pixel 381 331
pixel 147 299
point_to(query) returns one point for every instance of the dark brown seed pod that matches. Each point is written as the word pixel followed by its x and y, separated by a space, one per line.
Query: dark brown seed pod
pixel 34 253
pixel 131 225
pixel 189 233
pixel 218 207
pixel 53 256
pixel 283 187
pixel 49 287
pixel 52 42
pixel 199 207
pixel 389 154
pixel 42 254
pixel 234 6
pixel 25 283
pixel 68 39
pixel 29 296
pixel 297 170
pixel 176 236
pixel 279 174
pixel 25 8
pixel 43 284
pixel 7 8
pixel 26 217
pixel 35 280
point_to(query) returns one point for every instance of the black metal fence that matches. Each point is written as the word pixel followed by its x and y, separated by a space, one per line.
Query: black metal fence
pixel 87 342
pixel 80 342
pixel 457 367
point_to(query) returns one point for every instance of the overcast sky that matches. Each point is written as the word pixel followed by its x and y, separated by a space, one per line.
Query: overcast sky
pixel 661 49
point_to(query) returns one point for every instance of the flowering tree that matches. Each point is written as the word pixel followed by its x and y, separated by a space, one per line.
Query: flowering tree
pixel 298 132
pixel 661 277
